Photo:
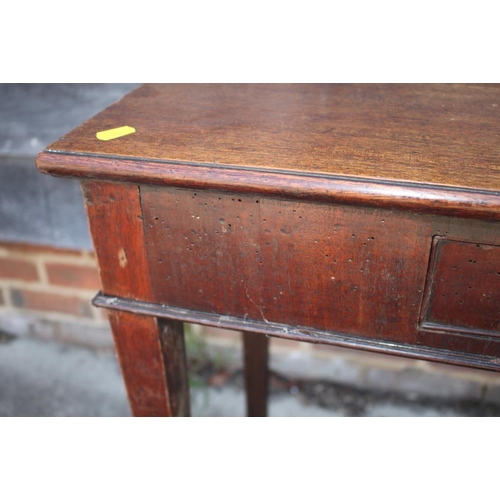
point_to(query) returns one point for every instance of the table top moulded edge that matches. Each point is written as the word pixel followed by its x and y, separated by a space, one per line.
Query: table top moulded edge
pixel 331 166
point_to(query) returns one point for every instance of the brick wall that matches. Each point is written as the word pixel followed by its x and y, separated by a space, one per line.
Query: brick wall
pixel 47 292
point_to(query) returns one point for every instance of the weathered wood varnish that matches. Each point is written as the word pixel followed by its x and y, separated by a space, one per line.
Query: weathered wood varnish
pixel 359 215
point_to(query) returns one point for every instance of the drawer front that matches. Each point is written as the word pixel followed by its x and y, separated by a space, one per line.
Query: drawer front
pixel 302 264
pixel 463 288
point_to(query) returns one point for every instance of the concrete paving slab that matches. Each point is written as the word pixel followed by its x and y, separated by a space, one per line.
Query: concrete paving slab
pixel 40 379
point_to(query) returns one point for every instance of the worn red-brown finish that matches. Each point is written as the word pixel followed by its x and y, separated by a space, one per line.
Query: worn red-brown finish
pixel 174 358
pixel 463 290
pixel 367 192
pixel 148 353
pixel 114 214
pixel 139 352
pixel 308 264
pixel 358 215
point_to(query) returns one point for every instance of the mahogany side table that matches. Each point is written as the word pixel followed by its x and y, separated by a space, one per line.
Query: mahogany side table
pixel 364 216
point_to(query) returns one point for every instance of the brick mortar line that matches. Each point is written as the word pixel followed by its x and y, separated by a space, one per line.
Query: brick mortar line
pixel 37 286
pixel 96 313
pixel 81 261
pixel 52 316
pixel 6 297
pixel 42 272
pixel 84 260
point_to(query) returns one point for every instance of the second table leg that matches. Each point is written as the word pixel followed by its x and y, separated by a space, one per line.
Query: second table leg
pixel 256 346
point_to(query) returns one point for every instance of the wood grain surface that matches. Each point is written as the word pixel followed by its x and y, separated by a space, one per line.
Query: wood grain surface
pixel 115 219
pixel 463 287
pixel 142 364
pixel 446 349
pixel 151 352
pixel 355 271
pixel 435 134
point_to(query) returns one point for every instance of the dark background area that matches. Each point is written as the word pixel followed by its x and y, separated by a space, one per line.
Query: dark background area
pixel 37 208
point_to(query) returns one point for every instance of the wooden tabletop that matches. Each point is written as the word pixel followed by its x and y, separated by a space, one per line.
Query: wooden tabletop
pixel 435 134
pixel 424 148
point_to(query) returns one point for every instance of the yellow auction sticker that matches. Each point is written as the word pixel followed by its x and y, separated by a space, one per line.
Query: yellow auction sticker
pixel 114 133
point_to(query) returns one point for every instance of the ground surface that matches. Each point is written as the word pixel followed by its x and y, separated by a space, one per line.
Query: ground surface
pixel 48 379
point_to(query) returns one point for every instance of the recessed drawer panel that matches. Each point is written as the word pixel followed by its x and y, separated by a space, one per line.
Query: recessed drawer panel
pixel 463 288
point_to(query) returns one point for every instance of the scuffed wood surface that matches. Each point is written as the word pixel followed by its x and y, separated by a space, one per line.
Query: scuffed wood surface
pixel 417 198
pixel 115 220
pixel 463 287
pixel 140 355
pixel 439 134
pixel 151 355
pixel 174 356
pixel 356 271
pixel 448 348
